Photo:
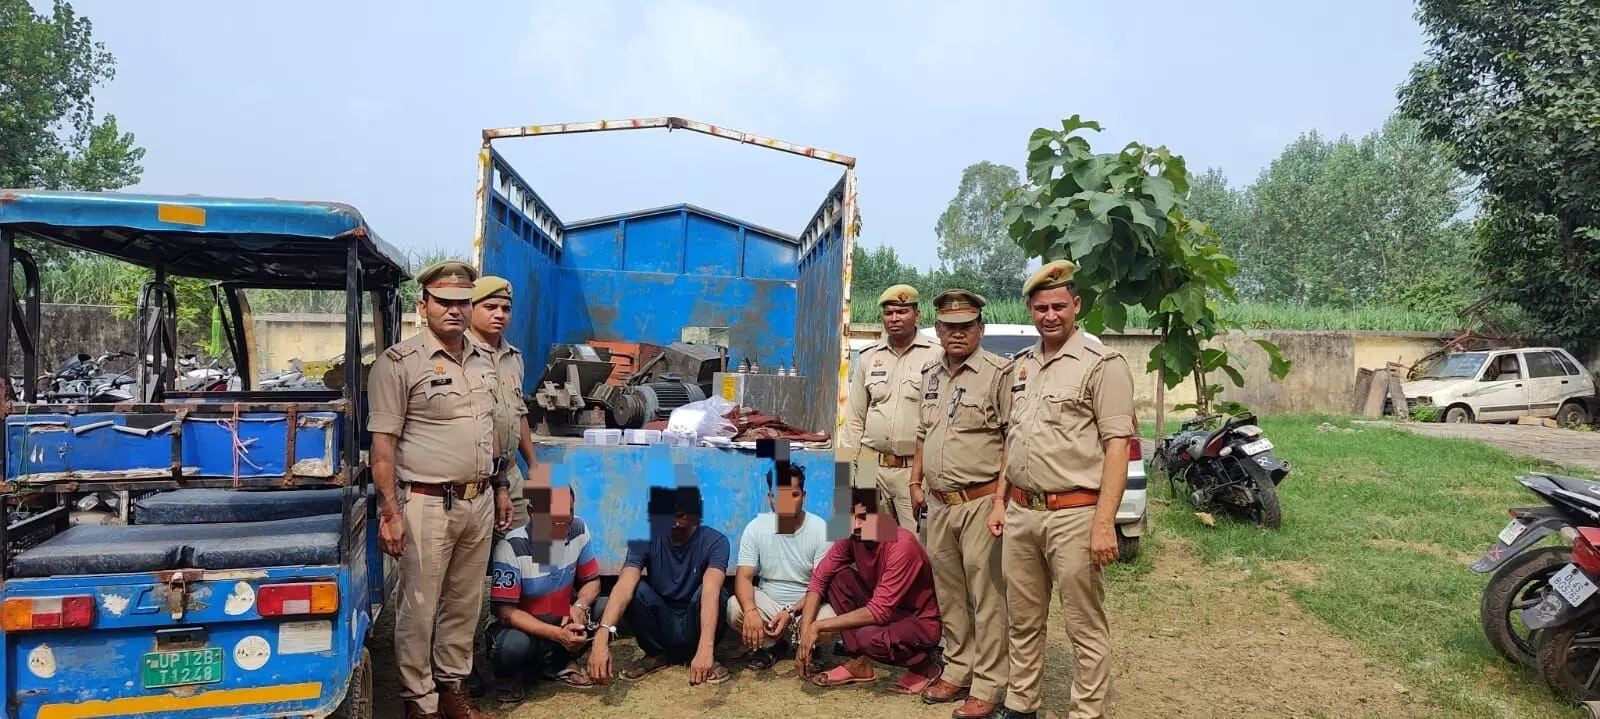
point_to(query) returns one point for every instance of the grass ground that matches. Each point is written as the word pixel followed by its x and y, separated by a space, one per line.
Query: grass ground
pixel 1377 319
pixel 1379 529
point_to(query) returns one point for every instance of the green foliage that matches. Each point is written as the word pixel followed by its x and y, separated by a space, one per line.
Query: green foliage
pixel 976 252
pixel 1425 413
pixel 1511 88
pixel 49 135
pixel 1347 223
pixel 1251 315
pixel 1120 218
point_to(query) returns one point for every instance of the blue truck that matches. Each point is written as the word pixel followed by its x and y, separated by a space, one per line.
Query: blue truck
pixel 237 574
pixel 682 278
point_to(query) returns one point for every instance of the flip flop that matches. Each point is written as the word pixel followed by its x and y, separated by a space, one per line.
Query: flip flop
pixel 837 677
pixel 719 674
pixel 574 678
pixel 761 659
pixel 913 683
pixel 643 668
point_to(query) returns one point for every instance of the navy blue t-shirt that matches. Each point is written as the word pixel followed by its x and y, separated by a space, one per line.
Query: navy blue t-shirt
pixel 677 572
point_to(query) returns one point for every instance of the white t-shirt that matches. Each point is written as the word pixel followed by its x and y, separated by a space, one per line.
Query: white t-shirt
pixel 783 561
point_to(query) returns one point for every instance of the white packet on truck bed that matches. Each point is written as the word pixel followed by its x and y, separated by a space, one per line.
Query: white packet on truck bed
pixel 701 419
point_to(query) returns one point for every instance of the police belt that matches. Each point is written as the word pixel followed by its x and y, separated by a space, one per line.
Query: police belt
pixel 465 492
pixel 1052 501
pixel 893 461
pixel 967 494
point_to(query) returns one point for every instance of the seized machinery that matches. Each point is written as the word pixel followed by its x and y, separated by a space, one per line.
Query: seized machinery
pixel 578 390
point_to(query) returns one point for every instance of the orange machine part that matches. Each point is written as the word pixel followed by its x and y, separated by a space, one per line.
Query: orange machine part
pixel 626 358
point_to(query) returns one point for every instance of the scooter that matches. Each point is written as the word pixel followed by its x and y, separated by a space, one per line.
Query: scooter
pixel 1522 573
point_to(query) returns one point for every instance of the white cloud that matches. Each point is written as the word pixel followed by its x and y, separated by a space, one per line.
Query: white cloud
pixel 682 57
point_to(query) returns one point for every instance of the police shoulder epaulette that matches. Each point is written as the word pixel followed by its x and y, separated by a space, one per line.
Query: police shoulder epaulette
pixel 1024 352
pixel 996 361
pixel 400 351
pixel 930 364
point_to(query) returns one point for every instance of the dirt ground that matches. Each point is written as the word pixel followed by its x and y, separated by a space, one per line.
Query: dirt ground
pixel 1189 641
pixel 1564 447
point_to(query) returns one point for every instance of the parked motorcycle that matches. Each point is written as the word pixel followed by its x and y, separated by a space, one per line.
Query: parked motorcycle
pixel 1229 469
pixel 1566 623
pixel 1521 572
pixel 83 379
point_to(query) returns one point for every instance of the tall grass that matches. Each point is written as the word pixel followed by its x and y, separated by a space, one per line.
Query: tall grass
pixel 1256 316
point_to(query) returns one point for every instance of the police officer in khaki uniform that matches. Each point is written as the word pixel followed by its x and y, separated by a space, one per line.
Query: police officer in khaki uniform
pixel 491 313
pixel 881 411
pixel 960 453
pixel 431 404
pixel 1067 463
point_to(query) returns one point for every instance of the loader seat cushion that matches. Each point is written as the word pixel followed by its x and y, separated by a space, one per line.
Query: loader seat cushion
pixel 115 549
pixel 208 506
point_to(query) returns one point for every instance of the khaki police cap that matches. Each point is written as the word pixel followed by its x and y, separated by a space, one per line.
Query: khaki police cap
pixel 448 280
pixel 958 306
pixel 1051 275
pixel 490 286
pixel 899 295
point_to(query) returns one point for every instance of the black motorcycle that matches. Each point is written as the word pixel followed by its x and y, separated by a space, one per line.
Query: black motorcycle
pixel 1230 468
pixel 1522 572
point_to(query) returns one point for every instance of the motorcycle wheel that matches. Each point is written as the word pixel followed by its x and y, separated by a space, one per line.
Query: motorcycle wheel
pixel 1265 510
pixel 1568 657
pixel 1521 582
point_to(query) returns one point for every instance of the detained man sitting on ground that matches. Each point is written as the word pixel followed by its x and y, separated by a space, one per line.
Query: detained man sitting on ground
pixel 675 611
pixel 780 548
pixel 880 583
pixel 538 630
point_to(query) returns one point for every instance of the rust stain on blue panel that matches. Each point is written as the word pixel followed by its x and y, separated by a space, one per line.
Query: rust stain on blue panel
pixel 819 334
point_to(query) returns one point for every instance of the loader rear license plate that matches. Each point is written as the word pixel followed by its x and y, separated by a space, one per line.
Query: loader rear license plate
pixel 178 669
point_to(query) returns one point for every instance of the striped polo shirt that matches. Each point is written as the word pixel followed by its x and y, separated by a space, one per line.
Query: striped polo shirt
pixel 539 580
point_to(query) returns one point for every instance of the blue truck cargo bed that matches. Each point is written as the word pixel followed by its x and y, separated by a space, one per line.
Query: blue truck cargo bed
pixel 646 277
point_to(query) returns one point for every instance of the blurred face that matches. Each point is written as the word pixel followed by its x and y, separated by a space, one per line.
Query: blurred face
pixel 869 526
pixel 683 525
pixel 787 501
pixel 550 513
pixel 959 340
pixel 446 318
pixel 1055 313
pixel 490 316
pixel 900 321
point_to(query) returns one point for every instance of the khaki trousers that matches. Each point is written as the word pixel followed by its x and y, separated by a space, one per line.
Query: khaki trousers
pixel 769 608
pixel 893 485
pixel 440 591
pixel 972 595
pixel 1040 548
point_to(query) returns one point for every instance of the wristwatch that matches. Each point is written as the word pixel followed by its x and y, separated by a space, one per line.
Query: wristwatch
pixel 500 483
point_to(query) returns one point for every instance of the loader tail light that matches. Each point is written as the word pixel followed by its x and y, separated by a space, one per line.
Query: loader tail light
pixel 277 600
pixel 21 614
pixel 1135 451
pixel 1584 553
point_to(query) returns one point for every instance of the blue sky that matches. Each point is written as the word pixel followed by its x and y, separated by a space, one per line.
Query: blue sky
pixel 381 104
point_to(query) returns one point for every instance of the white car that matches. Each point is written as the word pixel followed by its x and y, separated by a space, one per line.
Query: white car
pixel 1504 385
pixel 1132 519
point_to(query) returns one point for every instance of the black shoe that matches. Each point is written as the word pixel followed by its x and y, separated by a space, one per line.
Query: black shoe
pixel 475 685
pixel 1005 712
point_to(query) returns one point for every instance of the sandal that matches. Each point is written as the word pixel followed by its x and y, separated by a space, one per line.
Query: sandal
pixel 718 675
pixel 837 677
pixel 914 683
pixel 510 691
pixel 643 668
pixel 573 677
pixel 761 659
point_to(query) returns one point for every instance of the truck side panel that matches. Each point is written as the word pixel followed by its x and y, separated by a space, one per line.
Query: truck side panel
pixel 522 241
pixel 823 317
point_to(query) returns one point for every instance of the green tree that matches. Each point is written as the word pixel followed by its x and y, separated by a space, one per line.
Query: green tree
pixel 874 271
pixel 1213 201
pixel 1512 88
pixel 1121 217
pixel 973 244
pixel 49 135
